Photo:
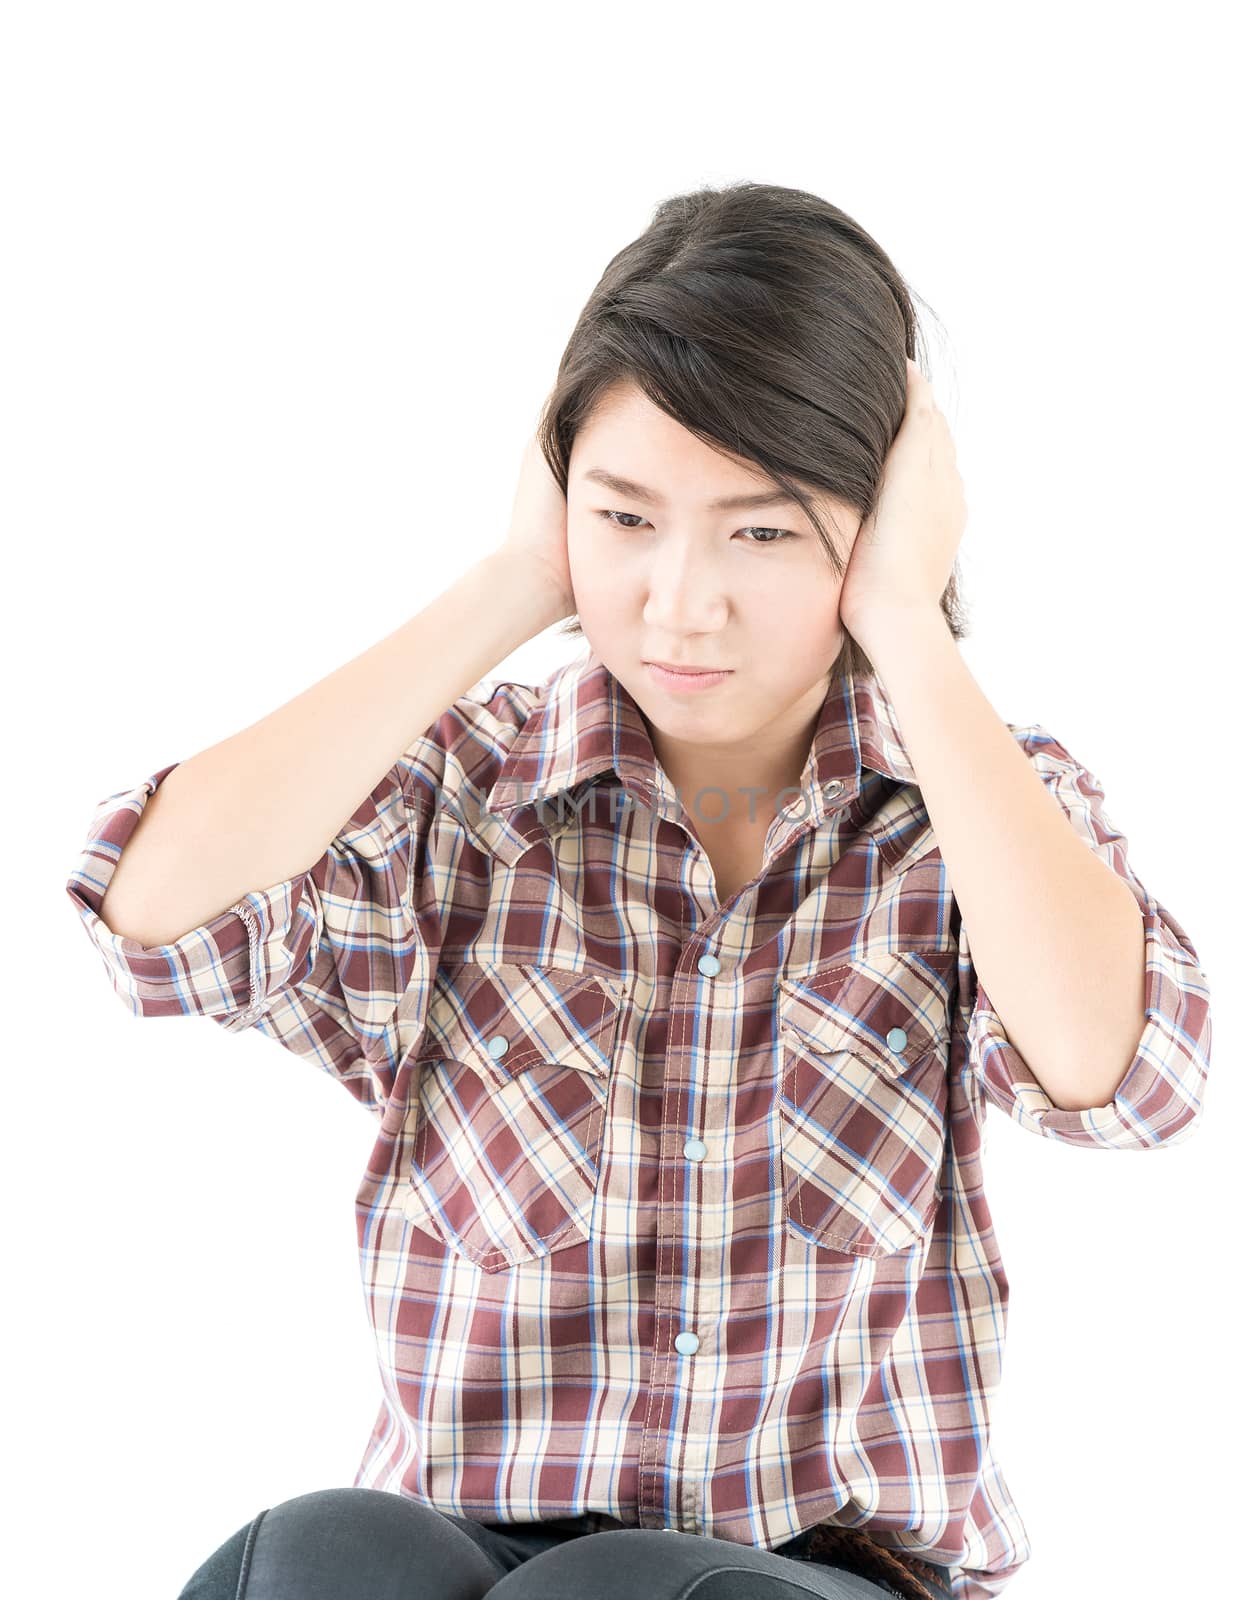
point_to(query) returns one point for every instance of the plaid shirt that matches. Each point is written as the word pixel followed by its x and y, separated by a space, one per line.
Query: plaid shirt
pixel 675 1215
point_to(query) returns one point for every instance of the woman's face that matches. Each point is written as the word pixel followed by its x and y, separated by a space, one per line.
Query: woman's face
pixel 667 576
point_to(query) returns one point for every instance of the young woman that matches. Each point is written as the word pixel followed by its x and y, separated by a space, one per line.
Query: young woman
pixel 678 985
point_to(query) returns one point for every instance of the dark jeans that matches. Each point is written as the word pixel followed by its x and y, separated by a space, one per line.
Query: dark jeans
pixel 369 1544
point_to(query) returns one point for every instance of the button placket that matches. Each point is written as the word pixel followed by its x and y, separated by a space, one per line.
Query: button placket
pixel 695 1150
pixel 708 965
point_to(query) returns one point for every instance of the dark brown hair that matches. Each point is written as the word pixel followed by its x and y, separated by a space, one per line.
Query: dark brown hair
pixel 773 327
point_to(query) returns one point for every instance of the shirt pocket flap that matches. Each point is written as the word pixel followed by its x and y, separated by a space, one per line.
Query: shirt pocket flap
pixel 502 1019
pixel 892 1010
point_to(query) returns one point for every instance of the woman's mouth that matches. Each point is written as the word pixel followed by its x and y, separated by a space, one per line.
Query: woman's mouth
pixel 686 679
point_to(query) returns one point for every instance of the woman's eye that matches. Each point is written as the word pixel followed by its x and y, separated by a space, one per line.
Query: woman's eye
pixel 782 534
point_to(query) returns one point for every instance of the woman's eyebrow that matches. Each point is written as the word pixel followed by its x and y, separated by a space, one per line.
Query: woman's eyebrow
pixel 730 502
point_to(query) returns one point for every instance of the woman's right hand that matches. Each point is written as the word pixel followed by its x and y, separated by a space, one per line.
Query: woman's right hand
pixel 537 525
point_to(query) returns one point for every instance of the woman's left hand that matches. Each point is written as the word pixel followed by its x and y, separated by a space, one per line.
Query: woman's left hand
pixel 905 549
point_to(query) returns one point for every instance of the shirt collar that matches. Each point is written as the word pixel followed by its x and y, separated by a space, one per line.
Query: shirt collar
pixel 587 723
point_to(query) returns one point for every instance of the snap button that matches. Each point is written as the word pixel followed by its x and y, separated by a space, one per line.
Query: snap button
pixel 686 1343
pixel 896 1038
pixel 708 965
pixel 831 788
pixel 498 1045
pixel 695 1150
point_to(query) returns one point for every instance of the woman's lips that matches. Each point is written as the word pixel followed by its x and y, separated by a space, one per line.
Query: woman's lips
pixel 685 681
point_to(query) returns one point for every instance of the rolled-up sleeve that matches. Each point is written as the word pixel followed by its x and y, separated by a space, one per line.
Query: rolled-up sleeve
pixel 319 962
pixel 1160 1097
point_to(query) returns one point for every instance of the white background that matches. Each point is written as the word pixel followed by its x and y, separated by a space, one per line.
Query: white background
pixel 284 287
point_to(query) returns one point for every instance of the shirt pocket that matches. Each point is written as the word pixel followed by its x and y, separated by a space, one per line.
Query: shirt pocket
pixel 515 1072
pixel 862 1100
